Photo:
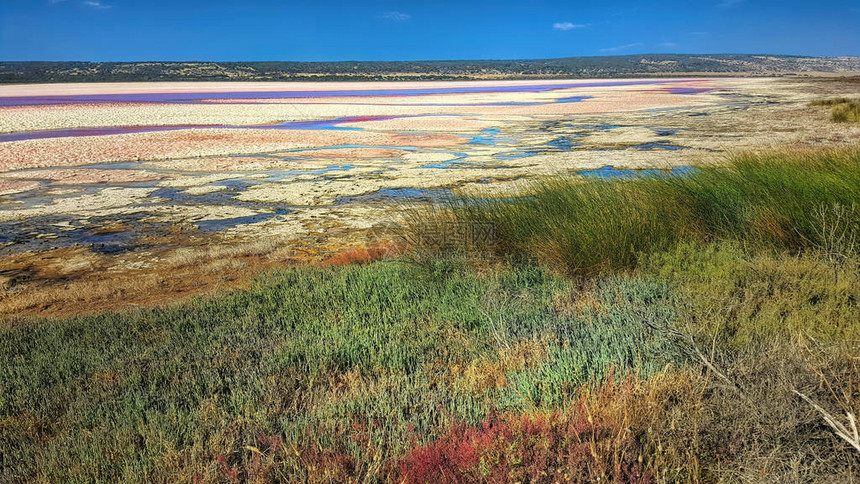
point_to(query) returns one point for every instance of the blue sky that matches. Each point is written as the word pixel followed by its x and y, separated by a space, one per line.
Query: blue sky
pixel 117 30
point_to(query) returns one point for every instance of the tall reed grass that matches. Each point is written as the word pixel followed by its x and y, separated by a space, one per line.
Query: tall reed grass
pixel 843 109
pixel 788 200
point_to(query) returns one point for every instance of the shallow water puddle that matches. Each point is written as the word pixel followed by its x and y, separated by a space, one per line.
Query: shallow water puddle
pixel 218 225
pixel 513 155
pixel 657 145
pixel 564 143
pixel 609 171
pixel 487 137
pixel 394 194
pixel 103 235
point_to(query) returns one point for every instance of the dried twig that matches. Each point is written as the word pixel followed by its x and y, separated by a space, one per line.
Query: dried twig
pixel 848 434
pixel 499 333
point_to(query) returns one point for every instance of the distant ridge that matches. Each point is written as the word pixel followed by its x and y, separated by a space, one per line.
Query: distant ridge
pixel 568 67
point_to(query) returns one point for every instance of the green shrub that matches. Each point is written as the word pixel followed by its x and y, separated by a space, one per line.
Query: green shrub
pixel 744 298
pixel 843 109
pixel 846 112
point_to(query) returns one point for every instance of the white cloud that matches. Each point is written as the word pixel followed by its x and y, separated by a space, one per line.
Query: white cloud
pixel 566 26
pixel 396 16
pixel 621 47
pixel 95 4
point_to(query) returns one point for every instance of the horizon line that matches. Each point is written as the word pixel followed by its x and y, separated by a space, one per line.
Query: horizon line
pixel 448 60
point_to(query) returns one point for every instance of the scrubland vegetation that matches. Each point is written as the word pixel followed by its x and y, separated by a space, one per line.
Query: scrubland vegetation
pixel 699 328
pixel 569 67
pixel 843 109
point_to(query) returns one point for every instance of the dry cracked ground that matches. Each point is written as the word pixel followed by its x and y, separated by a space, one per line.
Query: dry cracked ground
pixel 126 194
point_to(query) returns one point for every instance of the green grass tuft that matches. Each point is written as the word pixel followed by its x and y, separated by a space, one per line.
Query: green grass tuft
pixel 787 201
pixel 843 109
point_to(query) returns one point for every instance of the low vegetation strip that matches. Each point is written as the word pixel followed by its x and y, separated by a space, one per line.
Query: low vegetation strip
pixel 392 371
pixel 341 359
pixel 687 365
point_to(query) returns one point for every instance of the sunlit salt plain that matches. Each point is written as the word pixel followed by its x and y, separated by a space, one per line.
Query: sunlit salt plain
pixel 118 177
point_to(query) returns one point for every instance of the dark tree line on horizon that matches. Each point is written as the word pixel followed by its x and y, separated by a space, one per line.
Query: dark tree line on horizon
pixel 607 66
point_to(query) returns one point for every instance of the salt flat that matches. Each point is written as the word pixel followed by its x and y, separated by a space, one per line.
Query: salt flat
pixel 125 174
